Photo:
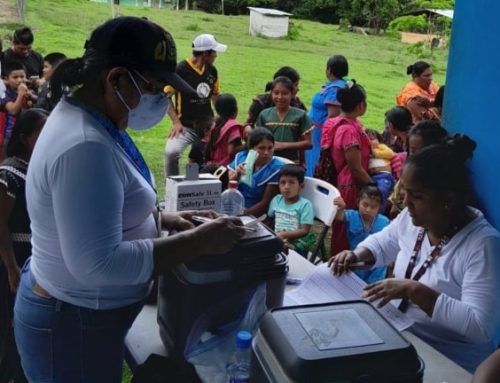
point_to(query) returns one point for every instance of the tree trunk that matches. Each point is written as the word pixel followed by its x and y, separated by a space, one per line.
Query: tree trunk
pixel 21 9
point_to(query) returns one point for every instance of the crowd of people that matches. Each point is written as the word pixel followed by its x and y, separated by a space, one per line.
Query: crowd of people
pixel 78 261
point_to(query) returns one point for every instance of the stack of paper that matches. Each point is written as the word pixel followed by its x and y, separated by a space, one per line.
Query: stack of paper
pixel 323 287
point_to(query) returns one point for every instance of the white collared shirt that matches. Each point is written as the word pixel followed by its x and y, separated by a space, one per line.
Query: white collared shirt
pixel 466 320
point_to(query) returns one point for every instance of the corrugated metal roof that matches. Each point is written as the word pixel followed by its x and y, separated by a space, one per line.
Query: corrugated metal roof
pixel 442 12
pixel 269 12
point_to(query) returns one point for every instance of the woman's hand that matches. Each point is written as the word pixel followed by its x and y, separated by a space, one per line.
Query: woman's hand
pixel 182 220
pixel 175 222
pixel 339 264
pixel 240 170
pixel 389 289
pixel 218 236
pixel 14 275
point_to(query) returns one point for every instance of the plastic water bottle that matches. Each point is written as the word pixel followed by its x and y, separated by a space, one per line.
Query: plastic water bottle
pixel 238 370
pixel 232 201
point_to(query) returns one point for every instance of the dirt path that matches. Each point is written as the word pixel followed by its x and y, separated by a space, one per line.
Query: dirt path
pixel 9 11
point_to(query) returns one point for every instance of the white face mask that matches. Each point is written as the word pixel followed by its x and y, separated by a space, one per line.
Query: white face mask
pixel 149 111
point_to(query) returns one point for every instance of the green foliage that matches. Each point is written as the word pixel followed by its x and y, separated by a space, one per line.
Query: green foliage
pixel 418 24
pixel 325 11
pixel 435 4
pixel 442 25
pixel 234 7
pixel 377 13
pixel 416 50
pixel 293 31
pixel 344 23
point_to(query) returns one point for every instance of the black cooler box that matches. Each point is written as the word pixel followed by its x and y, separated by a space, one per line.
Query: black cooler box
pixel 214 290
pixel 344 342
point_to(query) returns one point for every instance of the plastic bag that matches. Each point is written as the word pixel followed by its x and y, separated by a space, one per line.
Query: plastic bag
pixel 210 352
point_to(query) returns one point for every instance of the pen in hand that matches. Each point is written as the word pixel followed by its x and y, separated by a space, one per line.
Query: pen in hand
pixel 201 219
pixel 359 264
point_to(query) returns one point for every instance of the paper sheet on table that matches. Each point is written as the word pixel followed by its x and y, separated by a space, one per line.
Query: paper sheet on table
pixel 322 287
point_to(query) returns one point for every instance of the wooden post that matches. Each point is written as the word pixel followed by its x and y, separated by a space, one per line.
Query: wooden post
pixel 21 10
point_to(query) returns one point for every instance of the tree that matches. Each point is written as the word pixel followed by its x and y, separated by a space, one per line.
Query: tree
pixel 21 9
pixel 326 11
pixel 376 13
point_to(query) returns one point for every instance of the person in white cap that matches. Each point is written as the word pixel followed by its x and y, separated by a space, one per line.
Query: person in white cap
pixel 199 72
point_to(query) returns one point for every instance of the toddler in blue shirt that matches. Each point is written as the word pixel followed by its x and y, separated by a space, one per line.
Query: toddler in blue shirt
pixel 363 222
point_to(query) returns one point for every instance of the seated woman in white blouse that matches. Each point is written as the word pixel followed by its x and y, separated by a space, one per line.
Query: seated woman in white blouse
pixel 447 270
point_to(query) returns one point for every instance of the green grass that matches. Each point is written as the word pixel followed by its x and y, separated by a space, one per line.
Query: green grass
pixel 376 62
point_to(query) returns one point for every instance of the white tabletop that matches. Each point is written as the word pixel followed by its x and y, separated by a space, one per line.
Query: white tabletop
pixel 143 339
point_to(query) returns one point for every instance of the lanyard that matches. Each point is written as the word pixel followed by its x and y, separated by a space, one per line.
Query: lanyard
pixel 430 258
pixel 121 138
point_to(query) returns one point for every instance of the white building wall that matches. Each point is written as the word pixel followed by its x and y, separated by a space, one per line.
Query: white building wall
pixel 269 26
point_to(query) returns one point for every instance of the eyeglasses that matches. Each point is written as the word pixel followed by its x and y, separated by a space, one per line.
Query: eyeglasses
pixel 150 86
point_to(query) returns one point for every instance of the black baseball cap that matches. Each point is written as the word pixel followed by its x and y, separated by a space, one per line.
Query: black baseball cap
pixel 139 44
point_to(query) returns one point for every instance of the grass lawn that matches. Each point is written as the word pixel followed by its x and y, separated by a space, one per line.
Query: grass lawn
pixel 376 62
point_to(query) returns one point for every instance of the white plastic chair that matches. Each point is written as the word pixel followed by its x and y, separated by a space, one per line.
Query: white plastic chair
pixel 321 195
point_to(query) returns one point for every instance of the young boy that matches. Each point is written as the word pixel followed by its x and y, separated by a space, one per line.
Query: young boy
pixel 363 222
pixel 17 98
pixel 293 215
pixel 202 129
pixel 50 62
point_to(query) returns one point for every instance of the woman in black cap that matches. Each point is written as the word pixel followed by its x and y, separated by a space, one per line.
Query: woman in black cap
pixel 91 200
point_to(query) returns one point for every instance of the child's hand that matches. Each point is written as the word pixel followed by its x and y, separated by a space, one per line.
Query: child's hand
pixel 22 89
pixel 339 202
pixel 279 146
pixel 282 234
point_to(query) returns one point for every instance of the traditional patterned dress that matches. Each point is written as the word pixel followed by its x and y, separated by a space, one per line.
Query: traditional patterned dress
pixel 12 178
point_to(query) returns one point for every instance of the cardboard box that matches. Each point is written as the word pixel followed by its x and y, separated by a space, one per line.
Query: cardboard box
pixel 200 194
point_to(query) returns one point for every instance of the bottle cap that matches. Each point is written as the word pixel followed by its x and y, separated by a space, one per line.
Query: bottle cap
pixel 243 339
pixel 233 184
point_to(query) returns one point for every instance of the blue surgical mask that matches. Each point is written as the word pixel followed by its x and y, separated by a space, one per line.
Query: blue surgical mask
pixel 150 110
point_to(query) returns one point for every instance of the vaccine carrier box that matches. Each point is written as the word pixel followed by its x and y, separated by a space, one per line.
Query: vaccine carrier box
pixel 202 193
pixel 212 291
pixel 341 342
